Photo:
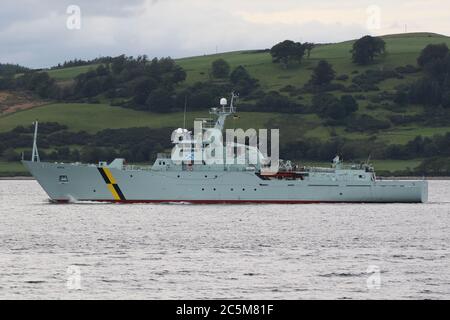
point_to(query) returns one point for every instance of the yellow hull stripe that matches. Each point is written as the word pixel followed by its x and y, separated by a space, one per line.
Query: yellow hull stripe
pixel 113 192
pixel 109 175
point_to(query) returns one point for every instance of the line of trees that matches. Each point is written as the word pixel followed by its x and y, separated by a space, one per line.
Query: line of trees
pixel 81 62
pixel 9 69
pixel 365 50
pixel 289 53
pixel 135 144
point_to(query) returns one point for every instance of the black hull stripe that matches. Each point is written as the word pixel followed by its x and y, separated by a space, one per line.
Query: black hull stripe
pixel 119 192
pixel 105 177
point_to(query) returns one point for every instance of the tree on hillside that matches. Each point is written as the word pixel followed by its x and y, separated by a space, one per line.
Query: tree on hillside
pixel 275 102
pixel 160 100
pixel 366 49
pixel 220 68
pixel 39 82
pixel 350 104
pixel 323 73
pixel 238 74
pixel 308 47
pixel 439 70
pixel 287 51
pixel 142 90
pixel 242 81
pixel 434 88
pixel 102 70
pixel 425 91
pixel 329 106
pixel 431 53
pixel 11 69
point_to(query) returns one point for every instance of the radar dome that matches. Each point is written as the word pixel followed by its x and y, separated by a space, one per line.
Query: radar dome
pixel 223 102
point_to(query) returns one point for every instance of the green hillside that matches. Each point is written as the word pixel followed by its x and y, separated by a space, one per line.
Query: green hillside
pixel 401 49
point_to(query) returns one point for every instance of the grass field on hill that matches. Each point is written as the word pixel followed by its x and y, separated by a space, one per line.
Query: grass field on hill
pixel 96 117
pixel 401 50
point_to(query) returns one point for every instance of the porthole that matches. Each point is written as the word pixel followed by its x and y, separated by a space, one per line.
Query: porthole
pixel 214 189
pixel 232 189
pixel 203 189
pixel 243 189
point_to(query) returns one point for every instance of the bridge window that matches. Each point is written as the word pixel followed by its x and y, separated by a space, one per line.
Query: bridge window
pixel 63 179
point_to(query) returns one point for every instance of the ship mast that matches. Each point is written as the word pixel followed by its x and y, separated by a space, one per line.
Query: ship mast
pixel 223 112
pixel 35 153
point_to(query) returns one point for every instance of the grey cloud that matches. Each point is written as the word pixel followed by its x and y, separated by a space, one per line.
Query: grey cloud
pixel 34 33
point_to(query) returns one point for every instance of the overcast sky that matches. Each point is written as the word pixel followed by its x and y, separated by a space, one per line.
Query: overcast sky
pixel 35 33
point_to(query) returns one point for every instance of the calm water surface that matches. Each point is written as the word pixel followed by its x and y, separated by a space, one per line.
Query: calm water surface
pixel 113 251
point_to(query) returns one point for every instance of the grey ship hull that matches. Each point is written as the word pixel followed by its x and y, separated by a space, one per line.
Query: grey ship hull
pixel 92 183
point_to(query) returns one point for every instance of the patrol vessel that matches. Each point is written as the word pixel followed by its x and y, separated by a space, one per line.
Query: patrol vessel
pixel 187 181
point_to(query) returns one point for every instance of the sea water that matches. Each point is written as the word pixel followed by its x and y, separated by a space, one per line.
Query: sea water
pixel 181 251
